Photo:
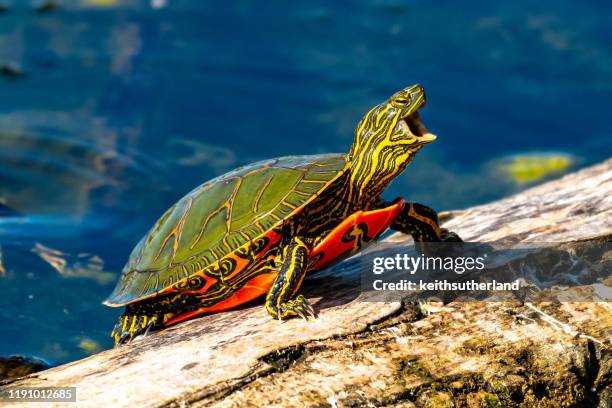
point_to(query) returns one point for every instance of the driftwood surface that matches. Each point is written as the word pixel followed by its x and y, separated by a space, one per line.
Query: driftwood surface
pixel 360 353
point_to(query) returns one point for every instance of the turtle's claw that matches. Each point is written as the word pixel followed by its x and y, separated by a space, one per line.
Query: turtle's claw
pixel 149 326
pixel 128 327
pixel 296 307
pixel 307 308
pixel 449 236
pixel 310 310
pixel 301 314
pixel 122 339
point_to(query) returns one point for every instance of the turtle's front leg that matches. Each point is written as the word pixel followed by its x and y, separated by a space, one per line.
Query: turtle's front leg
pixel 422 223
pixel 282 301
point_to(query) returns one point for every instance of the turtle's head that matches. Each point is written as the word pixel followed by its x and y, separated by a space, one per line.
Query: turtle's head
pixel 386 140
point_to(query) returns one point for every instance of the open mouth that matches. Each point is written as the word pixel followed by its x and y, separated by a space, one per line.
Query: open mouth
pixel 412 125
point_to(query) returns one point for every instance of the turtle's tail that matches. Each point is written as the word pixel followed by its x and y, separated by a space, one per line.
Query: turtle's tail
pixel 131 325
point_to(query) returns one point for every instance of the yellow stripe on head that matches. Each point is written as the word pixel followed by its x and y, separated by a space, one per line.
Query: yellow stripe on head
pixel 384 142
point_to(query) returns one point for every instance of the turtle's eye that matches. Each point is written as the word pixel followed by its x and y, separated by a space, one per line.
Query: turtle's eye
pixel 402 101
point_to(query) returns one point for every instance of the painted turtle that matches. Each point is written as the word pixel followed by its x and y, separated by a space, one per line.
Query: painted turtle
pixel 259 229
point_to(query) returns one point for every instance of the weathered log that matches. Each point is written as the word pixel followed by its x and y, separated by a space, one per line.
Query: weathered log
pixel 361 353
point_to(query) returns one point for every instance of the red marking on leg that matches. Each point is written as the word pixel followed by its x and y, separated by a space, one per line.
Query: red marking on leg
pixel 425 220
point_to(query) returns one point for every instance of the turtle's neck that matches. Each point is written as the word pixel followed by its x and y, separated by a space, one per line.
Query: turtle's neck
pixel 366 185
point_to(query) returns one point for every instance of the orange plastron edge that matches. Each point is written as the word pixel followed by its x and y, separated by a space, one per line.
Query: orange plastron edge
pixel 352 234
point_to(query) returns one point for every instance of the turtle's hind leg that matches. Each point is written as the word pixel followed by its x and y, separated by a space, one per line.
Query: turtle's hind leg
pixel 134 322
pixel 422 223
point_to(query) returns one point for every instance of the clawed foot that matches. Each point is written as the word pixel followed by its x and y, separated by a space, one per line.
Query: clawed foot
pixel 300 306
pixel 128 328
pixel 449 236
pixel 449 244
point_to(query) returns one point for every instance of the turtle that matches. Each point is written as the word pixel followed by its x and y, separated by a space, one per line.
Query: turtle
pixel 260 229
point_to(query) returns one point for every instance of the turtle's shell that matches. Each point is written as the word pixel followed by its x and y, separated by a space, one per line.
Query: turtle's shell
pixel 219 216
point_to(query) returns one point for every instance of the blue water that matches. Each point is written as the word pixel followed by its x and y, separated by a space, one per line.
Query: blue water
pixel 122 109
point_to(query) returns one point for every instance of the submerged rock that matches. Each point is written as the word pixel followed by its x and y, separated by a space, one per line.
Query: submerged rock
pixel 46 6
pixel 10 70
pixel 82 265
pixel 18 366
pixel 532 167
pixel 89 346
